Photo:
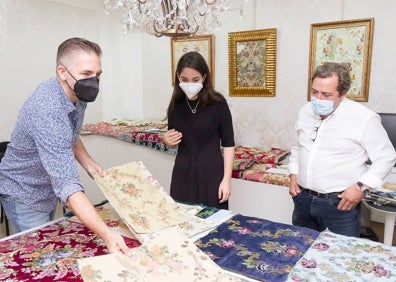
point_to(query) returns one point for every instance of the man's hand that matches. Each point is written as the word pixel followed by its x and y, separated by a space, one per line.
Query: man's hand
pixel 116 244
pixel 350 198
pixel 294 189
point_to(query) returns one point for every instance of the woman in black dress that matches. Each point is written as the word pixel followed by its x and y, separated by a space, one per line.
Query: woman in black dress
pixel 199 123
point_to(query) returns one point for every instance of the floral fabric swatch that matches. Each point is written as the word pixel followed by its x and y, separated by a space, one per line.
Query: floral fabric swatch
pixel 50 253
pixel 334 257
pixel 257 248
pixel 135 195
pixel 168 256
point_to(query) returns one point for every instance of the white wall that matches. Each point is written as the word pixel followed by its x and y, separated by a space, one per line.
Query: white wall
pixel 136 81
pixel 269 121
pixel 30 32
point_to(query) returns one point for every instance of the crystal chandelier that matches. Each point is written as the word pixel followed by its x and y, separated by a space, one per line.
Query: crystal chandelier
pixel 174 18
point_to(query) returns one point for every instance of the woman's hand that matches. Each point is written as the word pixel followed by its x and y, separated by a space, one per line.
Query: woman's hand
pixel 172 138
pixel 224 191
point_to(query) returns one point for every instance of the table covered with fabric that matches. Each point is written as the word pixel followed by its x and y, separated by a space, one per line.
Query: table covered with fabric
pixel 254 248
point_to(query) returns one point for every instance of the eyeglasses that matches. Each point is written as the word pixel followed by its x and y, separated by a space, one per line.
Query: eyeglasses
pixel 315 131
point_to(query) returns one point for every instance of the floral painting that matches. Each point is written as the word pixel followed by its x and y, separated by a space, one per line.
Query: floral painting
pixel 252 62
pixel 203 44
pixel 344 42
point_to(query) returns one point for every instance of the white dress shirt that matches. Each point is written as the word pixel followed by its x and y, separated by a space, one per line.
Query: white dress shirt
pixel 331 154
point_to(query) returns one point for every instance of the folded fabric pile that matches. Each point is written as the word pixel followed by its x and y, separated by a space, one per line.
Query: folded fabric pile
pixel 381 198
pixel 254 164
pixel 273 156
pixel 139 132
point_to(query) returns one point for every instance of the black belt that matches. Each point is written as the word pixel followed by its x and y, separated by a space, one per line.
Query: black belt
pixel 321 195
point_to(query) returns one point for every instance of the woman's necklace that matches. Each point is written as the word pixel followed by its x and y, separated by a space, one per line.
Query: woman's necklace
pixel 196 106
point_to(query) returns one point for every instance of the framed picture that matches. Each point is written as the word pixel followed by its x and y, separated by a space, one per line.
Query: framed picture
pixel 203 44
pixel 252 63
pixel 344 41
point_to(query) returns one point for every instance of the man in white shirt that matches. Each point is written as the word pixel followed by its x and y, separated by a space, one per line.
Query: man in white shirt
pixel 335 138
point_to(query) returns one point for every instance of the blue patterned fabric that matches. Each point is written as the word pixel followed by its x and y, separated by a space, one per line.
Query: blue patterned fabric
pixel 257 248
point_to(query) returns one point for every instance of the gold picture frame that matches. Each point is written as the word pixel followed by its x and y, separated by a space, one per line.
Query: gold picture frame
pixel 203 44
pixel 347 41
pixel 252 63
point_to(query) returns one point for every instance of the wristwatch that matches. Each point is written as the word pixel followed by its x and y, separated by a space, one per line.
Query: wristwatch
pixel 365 189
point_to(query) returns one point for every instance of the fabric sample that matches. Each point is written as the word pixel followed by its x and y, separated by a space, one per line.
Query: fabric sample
pixel 168 256
pixel 334 257
pixel 50 253
pixel 138 199
pixel 257 248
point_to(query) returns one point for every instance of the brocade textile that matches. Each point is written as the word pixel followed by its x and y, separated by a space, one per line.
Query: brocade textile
pixel 50 253
pixel 334 257
pixel 258 248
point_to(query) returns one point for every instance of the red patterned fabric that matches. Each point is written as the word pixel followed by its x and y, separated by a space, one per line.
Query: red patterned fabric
pixel 144 135
pixel 50 253
pixel 266 157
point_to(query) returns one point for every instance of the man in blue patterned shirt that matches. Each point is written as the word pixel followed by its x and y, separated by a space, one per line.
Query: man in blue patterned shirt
pixel 39 164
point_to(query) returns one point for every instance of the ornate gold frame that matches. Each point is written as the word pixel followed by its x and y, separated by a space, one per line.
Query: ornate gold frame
pixel 264 72
pixel 203 44
pixel 344 41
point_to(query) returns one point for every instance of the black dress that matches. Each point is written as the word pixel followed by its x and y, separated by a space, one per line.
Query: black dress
pixel 199 166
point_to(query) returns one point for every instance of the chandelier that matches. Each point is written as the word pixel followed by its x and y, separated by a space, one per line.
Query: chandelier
pixel 174 18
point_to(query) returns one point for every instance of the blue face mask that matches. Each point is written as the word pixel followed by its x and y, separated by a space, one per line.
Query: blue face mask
pixel 322 107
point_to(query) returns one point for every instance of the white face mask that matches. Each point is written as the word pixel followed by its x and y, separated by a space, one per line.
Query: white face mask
pixel 322 107
pixel 191 88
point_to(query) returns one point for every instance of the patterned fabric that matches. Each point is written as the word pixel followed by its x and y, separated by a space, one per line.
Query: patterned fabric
pixel 257 172
pixel 334 257
pixel 168 256
pixel 252 164
pixel 50 253
pixel 266 157
pixel 146 134
pixel 258 248
pixel 207 212
pixel 139 199
pixel 242 164
pixel 382 199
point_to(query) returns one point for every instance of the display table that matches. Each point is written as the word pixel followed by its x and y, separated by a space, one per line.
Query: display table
pixel 390 219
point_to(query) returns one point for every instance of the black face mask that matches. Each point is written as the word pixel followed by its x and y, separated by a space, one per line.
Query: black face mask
pixel 86 89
